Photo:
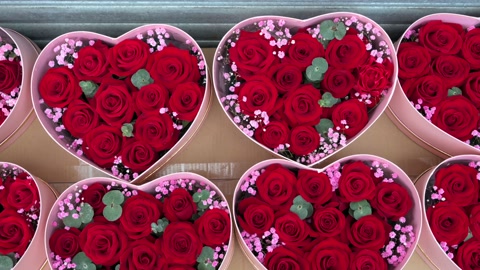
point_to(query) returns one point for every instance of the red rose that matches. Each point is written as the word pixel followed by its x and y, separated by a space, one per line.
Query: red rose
pixel 330 254
pixel 471 48
pixel 181 243
pixel 413 60
pixel 252 54
pixel 141 255
pixel 273 134
pixel 173 66
pixel 474 223
pixel 186 100
pixel 367 259
pixel 258 93
pixel 213 227
pixel 347 53
pixel 255 216
pixel 291 229
pixel 315 187
pixel 59 87
pixel 10 76
pixel 354 113
pixel 65 243
pixel 369 232
pixel 391 201
pixel 452 69
pixel 430 89
pixel 103 243
pixel 328 221
pixel 113 102
pixel 139 212
pixel 156 130
pixel 179 206
pixel 80 118
pixel 15 232
pixel 356 183
pixel 93 195
pixel 304 140
pixel 286 77
pixel 472 88
pixel 338 82
pixel 276 186
pixel 457 116
pixel 91 63
pixel 468 254
pixel 102 145
pixel 303 49
pixel 459 183
pixel 284 257
pixel 150 98
pixel 138 155
pixel 301 106
pixel 448 223
pixel 441 38
pixel 128 56
pixel 23 194
pixel 374 78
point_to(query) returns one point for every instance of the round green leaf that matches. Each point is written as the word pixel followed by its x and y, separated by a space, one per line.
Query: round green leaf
pixel 113 197
pixel 205 194
pixel 86 213
pixel 326 29
pixel 6 263
pixel 328 100
pixel 141 78
pixel 207 254
pixel 197 197
pixel 112 212
pixel 127 130
pixel 321 63
pixel 82 262
pixel 364 211
pixel 341 30
pixel 324 125
pixel 455 91
pixel 72 222
pixel 89 88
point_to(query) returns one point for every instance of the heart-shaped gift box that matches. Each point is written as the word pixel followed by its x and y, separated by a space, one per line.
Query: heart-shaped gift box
pixel 287 214
pixel 25 203
pixel 304 89
pixel 436 69
pixel 126 116
pixel 179 220
pixel 449 195
pixel 18 55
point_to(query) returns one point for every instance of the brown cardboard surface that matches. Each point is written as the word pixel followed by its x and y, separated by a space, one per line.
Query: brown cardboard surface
pixel 219 152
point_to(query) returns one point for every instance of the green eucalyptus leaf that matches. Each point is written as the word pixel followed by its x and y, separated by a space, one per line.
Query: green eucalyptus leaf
pixel 117 267
pixel 205 266
pixel 359 204
pixel 361 212
pixel 69 221
pixel 341 30
pixel 205 194
pixel 6 263
pixel 86 213
pixel 321 63
pixel 201 206
pixel 328 100
pixel 141 78
pixel 82 262
pixel 112 212
pixel 316 71
pixel 113 197
pixel 324 125
pixel 207 254
pixel 326 29
pixel 299 200
pixel 469 235
pixel 89 88
pixel 454 91
pixel 197 197
pixel 127 130
pixel 160 226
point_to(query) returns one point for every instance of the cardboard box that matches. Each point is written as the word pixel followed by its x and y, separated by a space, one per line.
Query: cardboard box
pixel 219 152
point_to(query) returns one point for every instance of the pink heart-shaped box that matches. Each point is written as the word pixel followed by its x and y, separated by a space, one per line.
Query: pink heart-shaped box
pixel 413 217
pixel 220 82
pixel 147 187
pixel 35 256
pixel 415 125
pixel 21 116
pixel 428 247
pixel 41 66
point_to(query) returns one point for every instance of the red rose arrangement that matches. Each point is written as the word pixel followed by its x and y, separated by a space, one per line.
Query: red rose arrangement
pixel 124 106
pixel 453 211
pixel 439 66
pixel 352 215
pixel 304 93
pixel 181 224
pixel 10 78
pixel 19 213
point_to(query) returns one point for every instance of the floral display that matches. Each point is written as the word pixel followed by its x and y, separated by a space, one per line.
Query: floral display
pixel 10 78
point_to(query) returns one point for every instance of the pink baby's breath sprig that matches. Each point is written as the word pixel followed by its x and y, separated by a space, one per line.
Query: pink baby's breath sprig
pixel 402 238
pixel 260 246
pixel 66 53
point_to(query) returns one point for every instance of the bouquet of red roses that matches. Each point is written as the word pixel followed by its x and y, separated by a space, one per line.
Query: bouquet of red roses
pixel 303 92
pixel 10 79
pixel 453 211
pixel 439 66
pixel 101 224
pixel 19 214
pixel 123 106
pixel 353 215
